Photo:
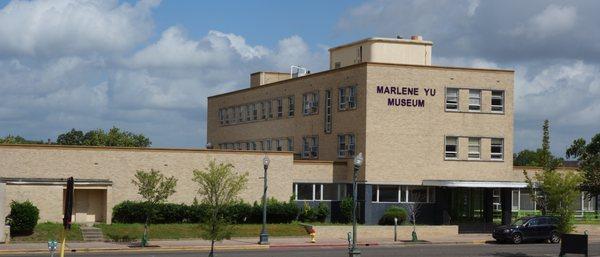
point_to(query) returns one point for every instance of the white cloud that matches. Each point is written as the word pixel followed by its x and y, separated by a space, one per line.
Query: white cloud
pixel 73 27
pixel 473 4
pixel 553 20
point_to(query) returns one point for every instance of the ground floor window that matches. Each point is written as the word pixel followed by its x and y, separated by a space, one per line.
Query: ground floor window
pixel 522 201
pixel 320 192
pixel 402 194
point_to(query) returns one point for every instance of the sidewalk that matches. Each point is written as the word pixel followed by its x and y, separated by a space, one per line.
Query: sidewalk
pixel 243 244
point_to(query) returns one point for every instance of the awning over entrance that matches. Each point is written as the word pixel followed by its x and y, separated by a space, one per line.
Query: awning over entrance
pixel 473 183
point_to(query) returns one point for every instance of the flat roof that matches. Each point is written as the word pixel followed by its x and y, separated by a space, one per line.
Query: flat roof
pixel 311 75
pixel 383 39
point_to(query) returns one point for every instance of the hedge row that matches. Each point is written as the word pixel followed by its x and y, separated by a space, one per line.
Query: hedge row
pixel 277 212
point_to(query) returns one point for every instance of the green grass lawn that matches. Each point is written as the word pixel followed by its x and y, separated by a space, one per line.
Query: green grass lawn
pixel 128 232
pixel 46 231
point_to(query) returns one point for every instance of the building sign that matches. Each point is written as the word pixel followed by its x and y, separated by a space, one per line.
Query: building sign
pixel 408 95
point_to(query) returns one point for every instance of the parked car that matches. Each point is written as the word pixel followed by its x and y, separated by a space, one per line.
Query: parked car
pixel 529 228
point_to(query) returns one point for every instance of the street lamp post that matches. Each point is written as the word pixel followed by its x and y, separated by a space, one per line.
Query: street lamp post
pixel 358 161
pixel 264 236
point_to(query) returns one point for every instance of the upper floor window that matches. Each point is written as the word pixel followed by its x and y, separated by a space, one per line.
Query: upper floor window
pixel 263 110
pixel 451 151
pixel 269 109
pixel 290 144
pixel 310 103
pixel 474 148
pixel 241 112
pixel 249 112
pixel 346 145
pixel 291 106
pixel 497 149
pixel 452 99
pixel 254 111
pixel 474 100
pixel 497 101
pixel 347 98
pixel 267 144
pixel 279 103
pixel 222 116
pixel 310 147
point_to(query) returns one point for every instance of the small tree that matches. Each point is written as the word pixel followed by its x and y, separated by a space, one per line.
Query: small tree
pixel 219 186
pixel 23 218
pixel 154 188
pixel 413 211
pixel 588 156
pixel 552 191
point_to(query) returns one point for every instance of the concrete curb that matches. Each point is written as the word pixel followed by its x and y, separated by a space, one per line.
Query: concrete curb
pixel 148 249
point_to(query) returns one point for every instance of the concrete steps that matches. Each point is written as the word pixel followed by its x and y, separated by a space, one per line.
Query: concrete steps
pixel 92 234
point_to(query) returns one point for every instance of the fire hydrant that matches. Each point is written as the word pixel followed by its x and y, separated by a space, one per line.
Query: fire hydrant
pixel 311 231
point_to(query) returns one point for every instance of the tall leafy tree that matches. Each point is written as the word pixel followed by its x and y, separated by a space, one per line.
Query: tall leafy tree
pixel 98 137
pixel 10 139
pixel 554 192
pixel 588 155
pixel 154 188
pixel 218 186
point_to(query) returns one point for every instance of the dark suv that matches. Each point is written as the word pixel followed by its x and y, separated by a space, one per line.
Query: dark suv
pixel 529 228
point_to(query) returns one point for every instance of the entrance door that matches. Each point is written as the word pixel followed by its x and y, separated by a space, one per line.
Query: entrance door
pixel 467 205
pixel 89 205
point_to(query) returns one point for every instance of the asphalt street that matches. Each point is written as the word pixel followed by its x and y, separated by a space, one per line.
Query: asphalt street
pixel 422 250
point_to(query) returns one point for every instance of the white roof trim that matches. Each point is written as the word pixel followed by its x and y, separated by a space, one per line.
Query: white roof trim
pixel 482 184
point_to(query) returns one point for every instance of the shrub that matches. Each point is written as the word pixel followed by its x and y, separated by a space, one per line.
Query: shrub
pixel 239 212
pixel 310 214
pixel 23 218
pixel 391 213
pixel 346 210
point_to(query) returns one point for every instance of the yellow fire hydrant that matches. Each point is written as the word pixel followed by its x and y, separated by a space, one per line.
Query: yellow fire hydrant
pixel 311 231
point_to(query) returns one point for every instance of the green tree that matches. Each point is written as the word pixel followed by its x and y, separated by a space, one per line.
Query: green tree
pixel 554 192
pixel 154 187
pixel 98 137
pixel 588 156
pixel 219 187
pixel 73 137
pixel 10 139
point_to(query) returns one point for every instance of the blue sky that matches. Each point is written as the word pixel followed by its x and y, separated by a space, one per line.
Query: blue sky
pixel 147 66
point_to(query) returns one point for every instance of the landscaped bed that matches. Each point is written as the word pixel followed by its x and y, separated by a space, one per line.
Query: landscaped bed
pixel 50 231
pixel 128 232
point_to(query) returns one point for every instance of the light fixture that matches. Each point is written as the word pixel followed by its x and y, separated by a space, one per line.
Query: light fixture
pixel 358 160
pixel 266 161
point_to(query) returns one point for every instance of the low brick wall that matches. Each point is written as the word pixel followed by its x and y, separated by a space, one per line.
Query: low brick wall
pixel 593 230
pixel 376 232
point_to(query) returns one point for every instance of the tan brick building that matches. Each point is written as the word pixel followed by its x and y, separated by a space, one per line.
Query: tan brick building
pixel 439 137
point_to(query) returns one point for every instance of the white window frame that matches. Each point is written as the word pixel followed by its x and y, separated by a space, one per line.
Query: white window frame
pixel 342 147
pixel 342 104
pixel 499 108
pixel 310 103
pixel 456 105
pixel 291 106
pixel 475 107
pixel 497 156
pixel 310 145
pixel 473 153
pixel 279 102
pixel 290 144
pixel 352 97
pixel 446 152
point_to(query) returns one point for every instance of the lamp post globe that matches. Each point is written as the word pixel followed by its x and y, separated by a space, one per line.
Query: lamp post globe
pixel 358 161
pixel 264 236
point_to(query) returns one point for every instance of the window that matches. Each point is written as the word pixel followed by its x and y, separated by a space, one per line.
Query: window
pixel 352 97
pixel 240 111
pixel 474 148
pixel 319 192
pixel 269 109
pixel 304 192
pixel 279 144
pixel 328 111
pixel 346 145
pixel 451 148
pixel 418 194
pixel 254 111
pixel 351 145
pixel 290 144
pixel 310 103
pixel 253 146
pixel 497 101
pixel 342 98
pixel 342 146
pixel 279 107
pixel 310 147
pixel 263 110
pixel 387 194
pixel 337 65
pixel 260 145
pixel 474 100
pixel 248 112
pixel 267 144
pixel 222 116
pixel 347 98
pixel 291 106
pixel 497 149
pixel 452 99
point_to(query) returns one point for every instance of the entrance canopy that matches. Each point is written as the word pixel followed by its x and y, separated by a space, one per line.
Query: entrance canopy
pixel 474 183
